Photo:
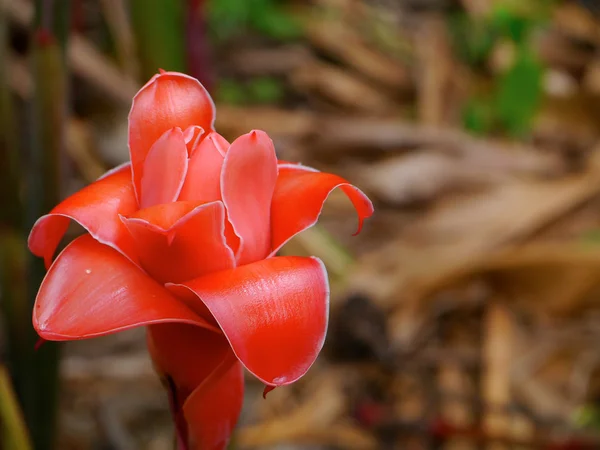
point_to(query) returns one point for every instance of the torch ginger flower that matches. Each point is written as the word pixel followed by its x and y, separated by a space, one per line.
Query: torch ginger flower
pixel 182 240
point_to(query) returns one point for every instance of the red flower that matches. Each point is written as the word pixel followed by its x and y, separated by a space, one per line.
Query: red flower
pixel 182 240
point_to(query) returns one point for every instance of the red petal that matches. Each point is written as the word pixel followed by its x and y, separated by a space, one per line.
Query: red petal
pixel 168 100
pixel 193 135
pixel 96 208
pixel 165 168
pixel 186 353
pixel 189 247
pixel 273 312
pixel 199 362
pixel 213 408
pixel 204 171
pixel 92 290
pixel 299 197
pixel 247 182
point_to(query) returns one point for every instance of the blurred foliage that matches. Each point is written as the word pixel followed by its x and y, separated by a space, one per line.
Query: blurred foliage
pixel 13 433
pixel 267 17
pixel 259 90
pixel 588 417
pixel 160 34
pixel 516 92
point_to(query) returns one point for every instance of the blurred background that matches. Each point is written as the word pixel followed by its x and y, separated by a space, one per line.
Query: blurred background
pixel 466 316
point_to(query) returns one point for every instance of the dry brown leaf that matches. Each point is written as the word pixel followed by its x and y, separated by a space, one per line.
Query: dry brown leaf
pixel 341 88
pixel 342 42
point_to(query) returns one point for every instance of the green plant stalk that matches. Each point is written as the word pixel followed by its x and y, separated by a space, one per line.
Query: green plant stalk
pixel 160 35
pixel 13 430
pixel 10 204
pixel 39 390
pixel 48 120
pixel 14 304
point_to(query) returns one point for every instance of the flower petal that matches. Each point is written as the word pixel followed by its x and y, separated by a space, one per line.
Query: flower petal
pixel 204 171
pixel 213 409
pixel 168 100
pixel 92 290
pixel 174 347
pixel 273 312
pixel 206 376
pixel 165 169
pixel 299 197
pixel 96 207
pixel 193 135
pixel 192 246
pixel 247 182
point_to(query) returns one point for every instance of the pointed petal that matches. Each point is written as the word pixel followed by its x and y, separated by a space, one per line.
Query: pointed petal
pixel 92 290
pixel 193 135
pixel 165 169
pixel 247 182
pixel 168 100
pixel 299 197
pixel 96 207
pixel 273 312
pixel 213 409
pixel 204 171
pixel 191 246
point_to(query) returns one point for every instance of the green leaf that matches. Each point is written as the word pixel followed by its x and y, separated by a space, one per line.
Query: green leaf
pixel 231 91
pixel 12 429
pixel 472 39
pixel 160 35
pixel 266 90
pixel 230 17
pixel 272 21
pixel 520 92
pixel 478 116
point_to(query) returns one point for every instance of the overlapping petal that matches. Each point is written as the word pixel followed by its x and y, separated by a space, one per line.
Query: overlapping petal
pixel 213 409
pixel 247 183
pixel 274 313
pixel 299 197
pixel 203 181
pixel 165 169
pixel 93 290
pixel 180 241
pixel 193 135
pixel 186 354
pixel 96 208
pixel 168 100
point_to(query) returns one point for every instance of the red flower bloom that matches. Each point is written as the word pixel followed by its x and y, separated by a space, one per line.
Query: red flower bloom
pixel 182 240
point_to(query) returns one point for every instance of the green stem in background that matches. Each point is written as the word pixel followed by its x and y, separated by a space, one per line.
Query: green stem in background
pixel 39 390
pixel 12 429
pixel 14 304
pixel 10 203
pixel 160 35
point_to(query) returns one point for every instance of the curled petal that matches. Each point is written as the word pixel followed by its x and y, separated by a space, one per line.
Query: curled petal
pixel 192 245
pixel 213 409
pixel 299 197
pixel 273 312
pixel 92 290
pixel 204 171
pixel 96 207
pixel 247 182
pixel 165 169
pixel 168 100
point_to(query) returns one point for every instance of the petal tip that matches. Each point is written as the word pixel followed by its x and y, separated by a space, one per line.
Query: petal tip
pixel 268 388
pixel 41 341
